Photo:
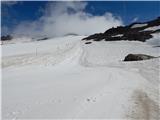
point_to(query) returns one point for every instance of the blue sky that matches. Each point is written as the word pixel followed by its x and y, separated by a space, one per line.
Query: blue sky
pixel 17 12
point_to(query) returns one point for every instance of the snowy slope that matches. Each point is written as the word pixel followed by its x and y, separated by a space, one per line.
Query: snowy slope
pixel 65 78
pixel 152 28
pixel 155 40
pixel 138 25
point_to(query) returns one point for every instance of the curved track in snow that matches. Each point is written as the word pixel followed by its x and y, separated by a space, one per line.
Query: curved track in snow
pixel 66 78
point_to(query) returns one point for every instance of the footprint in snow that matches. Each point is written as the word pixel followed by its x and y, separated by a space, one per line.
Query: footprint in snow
pixel 91 99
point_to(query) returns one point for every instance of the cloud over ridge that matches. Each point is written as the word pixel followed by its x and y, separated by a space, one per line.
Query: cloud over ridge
pixel 61 18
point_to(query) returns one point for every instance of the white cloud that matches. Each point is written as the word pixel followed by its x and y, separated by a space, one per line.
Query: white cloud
pixel 61 18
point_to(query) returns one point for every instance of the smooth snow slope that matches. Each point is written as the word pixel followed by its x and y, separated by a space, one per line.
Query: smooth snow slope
pixel 65 78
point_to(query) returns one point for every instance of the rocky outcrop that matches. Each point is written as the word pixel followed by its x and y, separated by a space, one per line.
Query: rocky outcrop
pixel 40 39
pixel 71 34
pixel 88 42
pixel 137 57
pixel 7 37
pixel 130 32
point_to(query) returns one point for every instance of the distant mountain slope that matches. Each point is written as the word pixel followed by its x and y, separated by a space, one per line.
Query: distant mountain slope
pixel 135 31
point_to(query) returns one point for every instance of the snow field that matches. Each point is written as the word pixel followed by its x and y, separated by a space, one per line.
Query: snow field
pixel 65 78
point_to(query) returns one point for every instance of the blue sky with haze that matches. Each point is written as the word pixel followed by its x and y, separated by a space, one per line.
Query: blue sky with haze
pixel 14 13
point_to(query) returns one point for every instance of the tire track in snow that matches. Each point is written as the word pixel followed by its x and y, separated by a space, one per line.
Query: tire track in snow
pixel 145 107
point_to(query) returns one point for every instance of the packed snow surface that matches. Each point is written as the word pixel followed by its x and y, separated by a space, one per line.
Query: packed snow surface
pixel 65 78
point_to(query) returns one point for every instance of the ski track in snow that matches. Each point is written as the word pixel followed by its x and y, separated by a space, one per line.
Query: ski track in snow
pixel 74 80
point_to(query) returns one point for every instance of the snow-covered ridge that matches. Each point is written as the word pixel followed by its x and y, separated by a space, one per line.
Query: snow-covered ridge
pixel 138 25
pixel 152 28
pixel 133 32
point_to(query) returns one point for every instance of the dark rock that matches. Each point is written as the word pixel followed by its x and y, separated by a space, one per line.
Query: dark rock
pixel 7 37
pixel 97 35
pixel 88 42
pixel 157 46
pixel 45 38
pixel 137 57
pixel 72 34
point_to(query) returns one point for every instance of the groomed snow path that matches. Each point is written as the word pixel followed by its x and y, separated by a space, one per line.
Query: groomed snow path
pixel 65 78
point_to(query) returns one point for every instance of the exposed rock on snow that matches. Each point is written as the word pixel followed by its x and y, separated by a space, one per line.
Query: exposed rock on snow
pixel 40 39
pixel 71 34
pixel 137 57
pixel 130 33
pixel 88 42
pixel 7 37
